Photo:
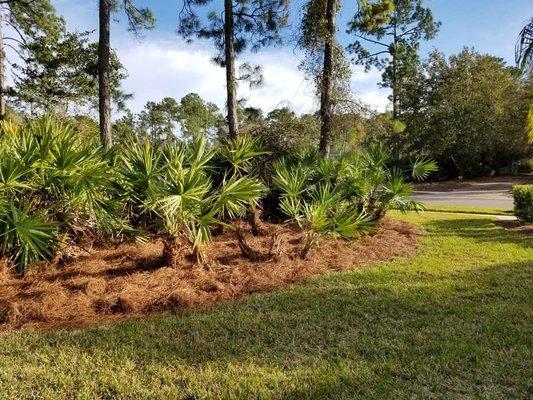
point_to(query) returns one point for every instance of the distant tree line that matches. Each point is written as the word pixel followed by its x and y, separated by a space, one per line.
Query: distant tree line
pixel 469 111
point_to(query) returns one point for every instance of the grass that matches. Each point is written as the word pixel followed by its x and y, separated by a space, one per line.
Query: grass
pixel 454 321
pixel 468 210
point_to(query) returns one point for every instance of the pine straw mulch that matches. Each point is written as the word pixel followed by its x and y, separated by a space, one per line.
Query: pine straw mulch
pixel 130 281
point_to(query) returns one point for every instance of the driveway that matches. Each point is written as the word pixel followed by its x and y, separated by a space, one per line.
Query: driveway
pixel 485 193
pixel 468 198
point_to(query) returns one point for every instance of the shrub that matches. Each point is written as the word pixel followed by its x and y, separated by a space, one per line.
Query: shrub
pixel 184 195
pixel 343 197
pixel 55 189
pixel 523 202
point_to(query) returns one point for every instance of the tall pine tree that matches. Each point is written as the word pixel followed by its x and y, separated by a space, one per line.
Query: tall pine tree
pixel 240 25
pixel 138 19
pixel 21 22
pixel 392 46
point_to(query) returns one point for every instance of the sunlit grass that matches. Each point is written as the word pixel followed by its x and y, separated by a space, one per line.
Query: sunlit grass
pixel 454 321
pixel 468 210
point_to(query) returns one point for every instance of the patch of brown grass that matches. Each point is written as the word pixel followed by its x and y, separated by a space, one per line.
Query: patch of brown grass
pixel 129 281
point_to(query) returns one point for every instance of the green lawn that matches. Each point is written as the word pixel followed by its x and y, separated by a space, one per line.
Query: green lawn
pixel 468 210
pixel 453 322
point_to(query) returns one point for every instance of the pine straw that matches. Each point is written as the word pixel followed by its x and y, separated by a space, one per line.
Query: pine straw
pixel 129 281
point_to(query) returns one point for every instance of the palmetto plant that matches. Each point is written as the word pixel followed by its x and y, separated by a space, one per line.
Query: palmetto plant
pixel 52 185
pixel 344 197
pixel 175 183
pixel 380 188
pixel 317 206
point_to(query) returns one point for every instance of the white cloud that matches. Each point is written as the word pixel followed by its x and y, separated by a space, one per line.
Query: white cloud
pixel 164 68
pixel 164 65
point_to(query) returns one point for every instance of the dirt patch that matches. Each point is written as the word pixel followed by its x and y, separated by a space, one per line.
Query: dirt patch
pixel 516 227
pixel 129 281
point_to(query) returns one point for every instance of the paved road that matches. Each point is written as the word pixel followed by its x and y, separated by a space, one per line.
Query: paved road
pixel 486 195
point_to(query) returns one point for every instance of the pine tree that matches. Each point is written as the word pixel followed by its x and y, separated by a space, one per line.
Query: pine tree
pixel 138 19
pixel 26 21
pixel 409 23
pixel 241 25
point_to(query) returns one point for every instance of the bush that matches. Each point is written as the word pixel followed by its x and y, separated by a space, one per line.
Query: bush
pixel 523 202
pixel 60 189
pixel 344 197
pixel 56 188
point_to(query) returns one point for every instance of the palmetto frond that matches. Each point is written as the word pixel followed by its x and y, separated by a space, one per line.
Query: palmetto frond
pixel 239 154
pixel 348 223
pixel 422 167
pixel 24 237
pixel 236 194
pixel 292 181
pixel 524 47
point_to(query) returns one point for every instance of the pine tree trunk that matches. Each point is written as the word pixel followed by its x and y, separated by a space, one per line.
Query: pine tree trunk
pixel 104 90
pixel 2 72
pixel 395 90
pixel 327 74
pixel 231 85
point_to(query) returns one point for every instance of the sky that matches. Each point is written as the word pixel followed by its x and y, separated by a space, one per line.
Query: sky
pixel 163 65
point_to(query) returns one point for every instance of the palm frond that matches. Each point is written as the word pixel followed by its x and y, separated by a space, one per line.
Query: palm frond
pixel 421 168
pixel 26 238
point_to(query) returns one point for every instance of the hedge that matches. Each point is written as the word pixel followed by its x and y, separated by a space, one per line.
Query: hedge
pixel 523 202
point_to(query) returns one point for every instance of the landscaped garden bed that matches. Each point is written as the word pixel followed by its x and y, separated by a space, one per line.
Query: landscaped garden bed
pixel 131 279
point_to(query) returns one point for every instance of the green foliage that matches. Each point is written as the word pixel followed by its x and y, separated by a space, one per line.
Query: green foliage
pixel 60 188
pixel 25 237
pixel 169 120
pixel 60 75
pixel 388 35
pixel 138 18
pixel 175 183
pixel 282 131
pixel 468 112
pixel 257 23
pixel 347 196
pixel 52 183
pixel 159 120
pixel 198 117
pixel 523 202
pixel 524 48
pixel 236 157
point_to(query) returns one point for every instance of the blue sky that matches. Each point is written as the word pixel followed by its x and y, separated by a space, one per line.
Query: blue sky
pixel 163 65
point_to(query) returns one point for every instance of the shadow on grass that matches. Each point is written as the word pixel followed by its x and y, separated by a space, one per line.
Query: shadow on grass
pixel 343 335
pixel 383 332
pixel 482 230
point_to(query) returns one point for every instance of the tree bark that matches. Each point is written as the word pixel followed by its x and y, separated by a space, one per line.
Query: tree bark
pixel 2 71
pixel 104 86
pixel 327 75
pixel 395 86
pixel 231 85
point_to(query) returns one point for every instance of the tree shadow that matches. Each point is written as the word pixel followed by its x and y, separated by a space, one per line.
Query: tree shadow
pixel 345 335
pixel 481 230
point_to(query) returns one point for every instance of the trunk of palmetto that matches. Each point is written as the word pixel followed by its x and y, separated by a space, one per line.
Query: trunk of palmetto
pixel 171 250
pixel 254 217
pixel 2 72
pixel 231 85
pixel 326 89
pixel 104 86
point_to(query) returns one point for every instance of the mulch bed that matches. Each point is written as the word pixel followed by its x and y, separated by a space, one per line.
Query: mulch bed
pixel 130 281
